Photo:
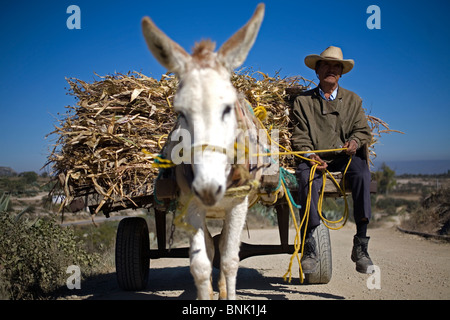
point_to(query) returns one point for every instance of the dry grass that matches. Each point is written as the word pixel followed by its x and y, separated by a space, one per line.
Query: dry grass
pixel 433 216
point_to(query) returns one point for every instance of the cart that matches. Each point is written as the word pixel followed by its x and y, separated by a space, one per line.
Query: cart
pixel 133 253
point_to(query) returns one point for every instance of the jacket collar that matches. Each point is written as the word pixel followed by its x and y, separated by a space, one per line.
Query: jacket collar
pixel 333 95
pixel 327 107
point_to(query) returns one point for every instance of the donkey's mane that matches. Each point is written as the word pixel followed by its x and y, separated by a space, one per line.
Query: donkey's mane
pixel 203 54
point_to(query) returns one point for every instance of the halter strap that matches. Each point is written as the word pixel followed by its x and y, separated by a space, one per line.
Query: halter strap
pixel 209 147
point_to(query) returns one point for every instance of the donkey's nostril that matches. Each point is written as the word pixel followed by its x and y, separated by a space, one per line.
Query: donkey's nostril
pixel 219 189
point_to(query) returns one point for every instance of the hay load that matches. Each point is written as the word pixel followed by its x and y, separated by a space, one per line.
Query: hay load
pixel 106 145
pixel 100 141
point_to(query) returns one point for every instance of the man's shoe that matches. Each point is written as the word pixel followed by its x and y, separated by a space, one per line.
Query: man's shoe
pixel 310 262
pixel 360 255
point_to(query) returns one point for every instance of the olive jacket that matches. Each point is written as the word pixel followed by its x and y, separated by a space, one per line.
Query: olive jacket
pixel 320 124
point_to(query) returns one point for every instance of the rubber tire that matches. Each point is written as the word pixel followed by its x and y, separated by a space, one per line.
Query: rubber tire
pixel 132 254
pixel 323 244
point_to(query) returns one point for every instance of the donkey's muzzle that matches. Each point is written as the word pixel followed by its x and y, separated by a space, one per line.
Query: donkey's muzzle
pixel 209 195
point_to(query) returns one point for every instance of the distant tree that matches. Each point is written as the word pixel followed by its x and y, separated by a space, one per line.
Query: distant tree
pixel 29 176
pixel 385 179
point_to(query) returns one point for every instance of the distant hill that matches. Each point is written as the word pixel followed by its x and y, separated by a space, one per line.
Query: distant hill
pixel 416 166
pixel 7 171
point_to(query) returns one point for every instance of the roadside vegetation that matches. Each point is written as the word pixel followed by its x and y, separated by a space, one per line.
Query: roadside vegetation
pixel 35 253
pixel 418 203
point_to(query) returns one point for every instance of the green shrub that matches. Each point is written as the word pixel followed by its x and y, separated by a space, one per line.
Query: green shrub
pixel 35 254
pixel 98 239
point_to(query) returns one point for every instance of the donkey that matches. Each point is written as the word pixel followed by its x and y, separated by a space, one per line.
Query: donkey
pixel 206 104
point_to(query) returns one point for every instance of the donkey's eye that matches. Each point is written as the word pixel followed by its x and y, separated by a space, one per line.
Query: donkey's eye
pixel 226 111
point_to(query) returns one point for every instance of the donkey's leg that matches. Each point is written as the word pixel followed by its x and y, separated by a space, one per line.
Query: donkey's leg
pixel 210 250
pixel 201 265
pixel 229 249
pixel 222 286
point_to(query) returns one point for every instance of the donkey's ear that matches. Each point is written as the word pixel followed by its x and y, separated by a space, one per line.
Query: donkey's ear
pixel 167 52
pixel 234 52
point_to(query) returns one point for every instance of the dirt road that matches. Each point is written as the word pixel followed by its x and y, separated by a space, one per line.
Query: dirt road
pixel 410 267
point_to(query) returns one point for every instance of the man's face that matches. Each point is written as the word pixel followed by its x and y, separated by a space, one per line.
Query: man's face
pixel 329 72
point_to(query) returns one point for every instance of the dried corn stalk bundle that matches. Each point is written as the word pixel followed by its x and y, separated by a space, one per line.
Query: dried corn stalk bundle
pixel 272 99
pixel 99 149
pixel 100 141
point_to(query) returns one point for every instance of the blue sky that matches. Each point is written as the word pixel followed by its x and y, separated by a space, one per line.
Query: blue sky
pixel 401 70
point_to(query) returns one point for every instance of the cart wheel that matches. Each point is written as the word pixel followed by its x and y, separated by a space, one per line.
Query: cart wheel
pixel 132 254
pixel 323 245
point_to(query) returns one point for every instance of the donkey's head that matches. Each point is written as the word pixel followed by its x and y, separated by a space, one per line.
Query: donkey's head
pixel 205 99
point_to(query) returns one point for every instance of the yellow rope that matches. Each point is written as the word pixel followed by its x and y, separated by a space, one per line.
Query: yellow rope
pixel 313 169
pixel 242 191
pixel 296 242
pixel 308 200
pixel 260 113
pixel 160 138
pixel 344 194
pixel 160 162
pixel 297 153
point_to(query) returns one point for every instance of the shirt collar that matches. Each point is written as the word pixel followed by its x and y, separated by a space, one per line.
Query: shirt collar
pixel 332 96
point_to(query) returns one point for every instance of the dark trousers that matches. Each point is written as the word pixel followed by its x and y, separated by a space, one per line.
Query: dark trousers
pixel 358 174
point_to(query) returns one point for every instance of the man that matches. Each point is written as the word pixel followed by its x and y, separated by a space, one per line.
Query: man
pixel 331 117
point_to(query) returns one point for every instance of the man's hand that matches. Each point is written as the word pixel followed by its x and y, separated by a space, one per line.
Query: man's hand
pixel 351 146
pixel 322 164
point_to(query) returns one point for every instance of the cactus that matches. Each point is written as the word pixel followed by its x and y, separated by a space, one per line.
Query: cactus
pixel 4 206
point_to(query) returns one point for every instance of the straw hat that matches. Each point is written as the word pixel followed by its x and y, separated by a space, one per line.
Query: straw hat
pixel 330 54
